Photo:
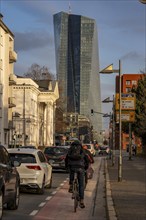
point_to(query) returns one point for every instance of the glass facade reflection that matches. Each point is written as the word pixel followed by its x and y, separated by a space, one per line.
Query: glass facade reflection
pixel 77 65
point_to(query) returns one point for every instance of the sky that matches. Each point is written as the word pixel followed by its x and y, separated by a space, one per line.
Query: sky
pixel 121 26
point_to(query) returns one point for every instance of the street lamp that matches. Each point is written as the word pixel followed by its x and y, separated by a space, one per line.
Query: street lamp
pixel 107 100
pixel 109 70
pixel 24 125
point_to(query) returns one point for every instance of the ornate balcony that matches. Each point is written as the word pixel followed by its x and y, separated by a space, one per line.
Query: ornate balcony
pixel 12 79
pixel 12 56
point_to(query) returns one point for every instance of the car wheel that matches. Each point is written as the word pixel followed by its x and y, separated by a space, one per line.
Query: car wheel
pixel 14 203
pixel 42 189
pixel 1 204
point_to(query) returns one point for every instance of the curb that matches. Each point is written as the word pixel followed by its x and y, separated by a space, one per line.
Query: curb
pixel 109 200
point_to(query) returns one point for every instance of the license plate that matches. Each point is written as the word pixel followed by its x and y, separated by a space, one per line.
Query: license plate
pixel 55 164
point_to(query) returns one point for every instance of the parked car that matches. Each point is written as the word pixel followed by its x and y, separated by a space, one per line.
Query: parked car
pixel 91 148
pixel 9 181
pixel 28 146
pixel 56 156
pixel 35 171
pixel 104 150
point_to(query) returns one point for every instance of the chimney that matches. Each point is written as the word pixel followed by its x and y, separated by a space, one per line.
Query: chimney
pixel 1 16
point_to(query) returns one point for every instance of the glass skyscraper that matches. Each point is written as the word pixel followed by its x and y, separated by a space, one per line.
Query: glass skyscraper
pixel 77 65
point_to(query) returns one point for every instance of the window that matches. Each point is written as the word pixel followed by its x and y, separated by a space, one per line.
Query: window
pixel 41 157
pixel 1 39
pixel 128 90
pixel 1 64
pixel 23 158
pixel 128 82
pixel 134 82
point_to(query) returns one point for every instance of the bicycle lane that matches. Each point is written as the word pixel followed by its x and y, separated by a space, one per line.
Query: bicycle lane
pixel 60 206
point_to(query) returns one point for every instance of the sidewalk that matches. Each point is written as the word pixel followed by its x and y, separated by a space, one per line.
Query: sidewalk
pixel 126 200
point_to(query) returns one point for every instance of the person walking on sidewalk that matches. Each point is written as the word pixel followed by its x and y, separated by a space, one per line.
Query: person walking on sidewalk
pixel 77 160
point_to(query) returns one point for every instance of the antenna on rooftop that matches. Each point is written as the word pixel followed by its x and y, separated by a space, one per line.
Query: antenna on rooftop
pixel 69 8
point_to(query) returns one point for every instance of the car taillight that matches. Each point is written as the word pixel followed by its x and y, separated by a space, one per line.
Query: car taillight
pixel 35 167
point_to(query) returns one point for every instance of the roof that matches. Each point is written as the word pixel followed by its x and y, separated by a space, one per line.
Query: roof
pixel 23 150
pixel 46 84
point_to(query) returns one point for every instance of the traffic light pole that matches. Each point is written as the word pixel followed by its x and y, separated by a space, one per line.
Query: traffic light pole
pixel 105 114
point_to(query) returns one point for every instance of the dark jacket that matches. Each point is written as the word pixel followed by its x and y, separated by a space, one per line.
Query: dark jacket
pixel 83 162
pixel 90 156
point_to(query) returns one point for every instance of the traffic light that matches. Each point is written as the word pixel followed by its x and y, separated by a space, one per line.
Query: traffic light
pixel 92 112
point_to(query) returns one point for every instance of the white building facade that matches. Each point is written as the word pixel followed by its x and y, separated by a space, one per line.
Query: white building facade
pixel 27 113
pixel 7 58
pixel 33 117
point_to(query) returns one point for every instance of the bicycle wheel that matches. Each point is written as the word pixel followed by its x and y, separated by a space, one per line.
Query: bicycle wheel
pixel 75 197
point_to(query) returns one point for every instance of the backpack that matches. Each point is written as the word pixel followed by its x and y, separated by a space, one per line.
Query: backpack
pixel 75 152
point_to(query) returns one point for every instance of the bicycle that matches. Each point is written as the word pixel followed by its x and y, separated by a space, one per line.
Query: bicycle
pixel 75 194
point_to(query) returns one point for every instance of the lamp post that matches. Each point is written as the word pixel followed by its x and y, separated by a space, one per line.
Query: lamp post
pixel 109 70
pixel 107 100
pixel 24 127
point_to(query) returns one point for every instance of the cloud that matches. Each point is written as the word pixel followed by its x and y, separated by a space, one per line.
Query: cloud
pixel 32 40
pixel 133 55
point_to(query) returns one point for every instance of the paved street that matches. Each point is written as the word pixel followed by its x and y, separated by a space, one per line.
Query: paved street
pixel 105 197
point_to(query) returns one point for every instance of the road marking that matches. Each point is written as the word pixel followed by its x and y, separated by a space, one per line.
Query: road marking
pixel 34 212
pixel 48 198
pixel 42 204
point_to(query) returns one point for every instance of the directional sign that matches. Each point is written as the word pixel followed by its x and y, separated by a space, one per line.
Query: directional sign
pixel 128 116
pixel 127 101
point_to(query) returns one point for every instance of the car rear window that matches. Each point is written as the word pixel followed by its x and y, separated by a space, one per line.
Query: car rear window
pixel 23 158
pixel 55 150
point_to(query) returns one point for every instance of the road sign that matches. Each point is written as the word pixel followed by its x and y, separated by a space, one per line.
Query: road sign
pixel 128 101
pixel 127 116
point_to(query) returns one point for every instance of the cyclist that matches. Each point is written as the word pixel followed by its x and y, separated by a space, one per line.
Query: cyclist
pixel 89 171
pixel 77 161
pixel 90 156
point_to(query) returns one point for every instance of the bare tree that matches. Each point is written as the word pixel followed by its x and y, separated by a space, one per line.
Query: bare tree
pixel 36 72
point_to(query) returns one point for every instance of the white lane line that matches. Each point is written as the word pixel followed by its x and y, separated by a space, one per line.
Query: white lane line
pixel 42 204
pixel 53 193
pixel 48 198
pixel 34 212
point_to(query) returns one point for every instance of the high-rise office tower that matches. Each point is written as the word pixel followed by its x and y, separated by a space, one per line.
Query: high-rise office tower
pixel 77 65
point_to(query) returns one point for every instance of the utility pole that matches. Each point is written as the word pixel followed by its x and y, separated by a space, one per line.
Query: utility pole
pixel 24 127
